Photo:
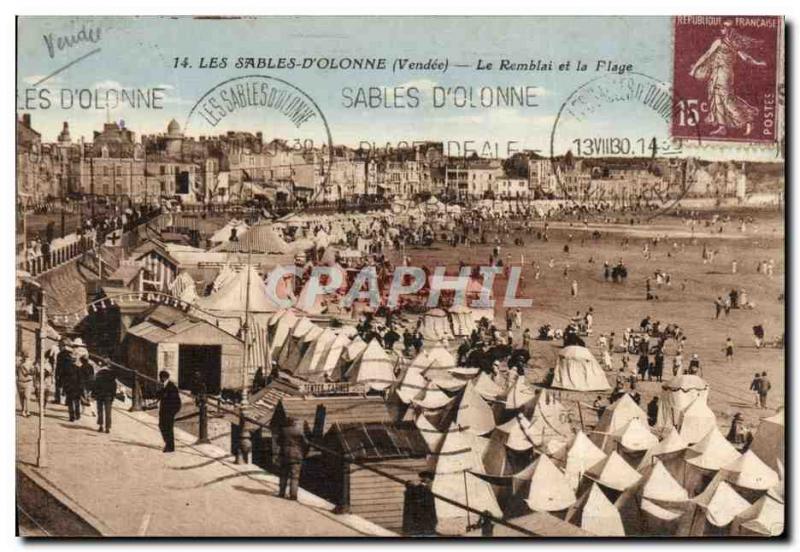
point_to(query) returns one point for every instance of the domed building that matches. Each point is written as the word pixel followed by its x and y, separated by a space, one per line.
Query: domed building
pixel 174 140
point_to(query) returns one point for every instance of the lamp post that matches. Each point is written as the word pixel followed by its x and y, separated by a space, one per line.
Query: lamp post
pixel 42 337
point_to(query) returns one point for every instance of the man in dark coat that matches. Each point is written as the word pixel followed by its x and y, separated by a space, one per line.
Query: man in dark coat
pixel 419 508
pixel 72 383
pixel 105 389
pixel 292 450
pixel 169 404
pixel 63 364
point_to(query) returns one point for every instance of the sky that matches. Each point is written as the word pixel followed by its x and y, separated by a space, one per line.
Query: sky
pixel 141 52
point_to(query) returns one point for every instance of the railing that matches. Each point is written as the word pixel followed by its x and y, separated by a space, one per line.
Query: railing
pixel 38 264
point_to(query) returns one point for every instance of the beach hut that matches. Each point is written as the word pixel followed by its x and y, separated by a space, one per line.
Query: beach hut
pixel 183 287
pixel 577 369
pixel 311 363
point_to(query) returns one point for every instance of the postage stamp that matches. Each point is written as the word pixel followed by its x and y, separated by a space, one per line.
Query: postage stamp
pixel 725 69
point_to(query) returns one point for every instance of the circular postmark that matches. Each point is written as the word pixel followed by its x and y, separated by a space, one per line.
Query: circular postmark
pixel 610 144
pixel 270 133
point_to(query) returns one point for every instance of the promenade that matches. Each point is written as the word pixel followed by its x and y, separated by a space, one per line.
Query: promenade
pixel 123 485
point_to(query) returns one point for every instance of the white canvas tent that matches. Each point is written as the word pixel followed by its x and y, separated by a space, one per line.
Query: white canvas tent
pixel 718 505
pixel 769 440
pixel 635 436
pixel 550 490
pixel 614 419
pixel 462 320
pixel 614 472
pixel 373 368
pixel 669 451
pixel 596 514
pixel 578 370
pixel 712 452
pixel 676 396
pixel 458 457
pixel 577 457
pixel 436 326
pixel 413 381
pixel 697 420
pixel 474 414
pixel 183 287
pixel 310 365
pixel 765 518
pixel 521 395
pixel 549 421
pixel 749 472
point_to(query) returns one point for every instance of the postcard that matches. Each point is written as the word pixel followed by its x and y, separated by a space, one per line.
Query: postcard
pixel 400 276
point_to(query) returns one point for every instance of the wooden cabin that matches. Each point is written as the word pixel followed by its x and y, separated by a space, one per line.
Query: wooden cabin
pixel 171 340
pixel 395 448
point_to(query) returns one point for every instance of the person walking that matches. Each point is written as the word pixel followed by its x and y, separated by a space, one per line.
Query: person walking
pixel 574 288
pixel 63 364
pixel 677 364
pixel 104 390
pixel 754 387
pixel 292 451
pixel 527 341
pixel 718 306
pixel 758 335
pixel 764 387
pixel 169 400
pixel 658 365
pixel 72 384
pixel 729 350
pixel 25 374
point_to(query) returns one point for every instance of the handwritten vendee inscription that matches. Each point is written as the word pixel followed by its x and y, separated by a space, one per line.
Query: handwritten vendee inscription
pixel 57 43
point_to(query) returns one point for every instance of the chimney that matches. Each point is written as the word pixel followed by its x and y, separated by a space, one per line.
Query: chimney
pixel 26 119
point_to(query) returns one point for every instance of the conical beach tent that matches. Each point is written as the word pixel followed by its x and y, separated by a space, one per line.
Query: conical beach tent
pixel 373 368
pixel 697 420
pixel 596 514
pixel 453 479
pixel 769 440
pixel 750 472
pixel 676 396
pixel 578 370
pixel 720 504
pixel 550 490
pixel 765 518
pixel 577 457
pixel 614 472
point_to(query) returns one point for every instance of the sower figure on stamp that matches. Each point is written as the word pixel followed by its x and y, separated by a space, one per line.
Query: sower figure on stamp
pixel 292 445
pixel 716 68
pixel 169 400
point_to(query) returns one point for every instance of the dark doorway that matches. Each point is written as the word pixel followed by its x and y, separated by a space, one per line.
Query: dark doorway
pixel 205 359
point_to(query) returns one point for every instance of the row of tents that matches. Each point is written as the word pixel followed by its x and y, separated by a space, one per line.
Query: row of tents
pixel 509 451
